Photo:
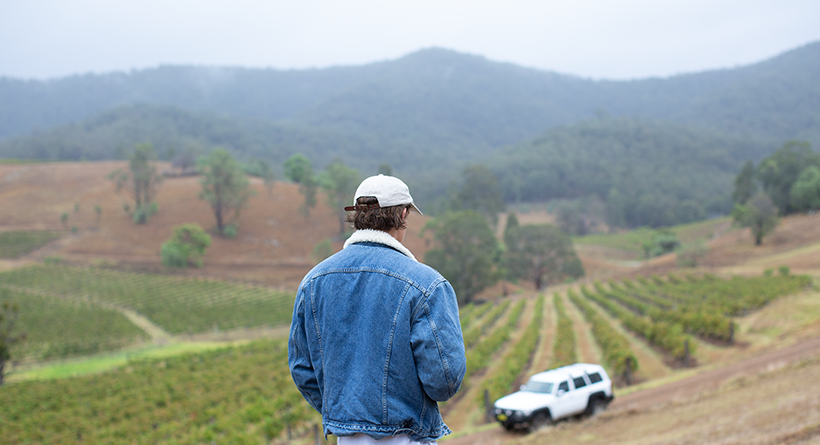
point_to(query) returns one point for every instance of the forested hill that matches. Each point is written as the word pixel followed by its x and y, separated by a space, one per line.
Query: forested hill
pixel 648 172
pixel 439 97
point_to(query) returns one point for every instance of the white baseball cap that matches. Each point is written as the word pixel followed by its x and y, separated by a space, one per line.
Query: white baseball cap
pixel 388 190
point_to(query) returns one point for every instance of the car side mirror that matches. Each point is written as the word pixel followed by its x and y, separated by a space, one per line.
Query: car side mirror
pixel 560 393
pixel 523 387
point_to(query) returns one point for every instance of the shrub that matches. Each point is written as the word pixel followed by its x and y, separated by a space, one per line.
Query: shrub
pixel 690 255
pixel 784 270
pixel 144 212
pixel 230 231
pixel 186 247
pixel 322 250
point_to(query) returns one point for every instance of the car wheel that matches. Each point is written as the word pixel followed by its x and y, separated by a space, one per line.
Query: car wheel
pixel 596 406
pixel 540 420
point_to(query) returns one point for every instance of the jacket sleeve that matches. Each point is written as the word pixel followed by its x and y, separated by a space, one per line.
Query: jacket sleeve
pixel 301 366
pixel 438 347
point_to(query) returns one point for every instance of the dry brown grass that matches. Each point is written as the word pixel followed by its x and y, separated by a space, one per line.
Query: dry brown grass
pixel 767 408
pixel 274 243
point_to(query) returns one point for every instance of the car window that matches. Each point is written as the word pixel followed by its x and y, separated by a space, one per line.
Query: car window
pixel 579 382
pixel 542 387
pixel 564 385
pixel 595 377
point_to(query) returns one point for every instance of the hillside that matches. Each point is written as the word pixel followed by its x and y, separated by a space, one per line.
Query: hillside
pixel 273 246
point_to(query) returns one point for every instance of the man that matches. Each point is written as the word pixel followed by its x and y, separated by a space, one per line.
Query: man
pixel 375 339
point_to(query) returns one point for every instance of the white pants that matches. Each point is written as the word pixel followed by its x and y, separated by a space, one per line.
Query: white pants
pixel 364 439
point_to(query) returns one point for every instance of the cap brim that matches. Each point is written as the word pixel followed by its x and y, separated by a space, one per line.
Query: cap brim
pixel 413 207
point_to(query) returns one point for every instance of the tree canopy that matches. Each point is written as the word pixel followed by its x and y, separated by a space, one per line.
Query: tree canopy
pixel 780 171
pixel 466 252
pixel 542 254
pixel 141 181
pixel 340 182
pixel 805 193
pixel 759 214
pixel 224 187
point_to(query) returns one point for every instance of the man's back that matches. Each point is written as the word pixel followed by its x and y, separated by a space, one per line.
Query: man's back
pixel 381 338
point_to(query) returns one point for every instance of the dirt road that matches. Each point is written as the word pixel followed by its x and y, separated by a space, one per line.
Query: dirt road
pixel 677 390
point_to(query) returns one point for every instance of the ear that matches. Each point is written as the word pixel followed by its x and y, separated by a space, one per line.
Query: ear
pixel 404 213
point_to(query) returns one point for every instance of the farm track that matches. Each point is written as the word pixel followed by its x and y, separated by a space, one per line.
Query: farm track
pixel 677 391
pixel 587 350
pixel 543 354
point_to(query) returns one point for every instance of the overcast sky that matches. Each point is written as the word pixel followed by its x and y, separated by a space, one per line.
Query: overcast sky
pixel 613 39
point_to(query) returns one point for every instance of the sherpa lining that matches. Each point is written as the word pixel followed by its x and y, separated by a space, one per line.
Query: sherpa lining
pixel 377 236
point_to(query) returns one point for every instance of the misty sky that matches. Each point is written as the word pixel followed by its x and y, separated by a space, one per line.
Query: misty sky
pixel 614 39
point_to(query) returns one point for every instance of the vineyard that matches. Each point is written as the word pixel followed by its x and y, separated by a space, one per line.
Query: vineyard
pixel 245 395
pixel 58 328
pixel 238 396
pixel 83 302
pixel 17 243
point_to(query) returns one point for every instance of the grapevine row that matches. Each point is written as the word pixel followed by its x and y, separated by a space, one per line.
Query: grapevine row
pixel 479 357
pixel 563 349
pixel 471 337
pixel 513 363
pixel 668 337
pixel 617 352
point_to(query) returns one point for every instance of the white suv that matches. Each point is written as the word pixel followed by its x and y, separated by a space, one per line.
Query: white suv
pixel 555 394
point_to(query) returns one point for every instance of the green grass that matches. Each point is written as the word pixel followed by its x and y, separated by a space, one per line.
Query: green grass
pixel 108 361
pixel 627 241
pixel 630 241
pixel 18 243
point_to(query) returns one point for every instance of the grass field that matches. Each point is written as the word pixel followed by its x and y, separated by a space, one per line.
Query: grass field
pixel 630 241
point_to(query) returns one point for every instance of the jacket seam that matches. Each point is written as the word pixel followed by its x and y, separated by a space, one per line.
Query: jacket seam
pixel 425 294
pixel 443 359
pixel 319 341
pixel 390 351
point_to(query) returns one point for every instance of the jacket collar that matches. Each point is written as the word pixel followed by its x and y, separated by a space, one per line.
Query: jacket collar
pixel 379 237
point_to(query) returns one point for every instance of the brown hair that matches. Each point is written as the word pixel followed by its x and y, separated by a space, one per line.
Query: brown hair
pixel 368 215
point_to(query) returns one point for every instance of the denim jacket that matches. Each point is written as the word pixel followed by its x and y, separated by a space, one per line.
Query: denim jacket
pixel 376 340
